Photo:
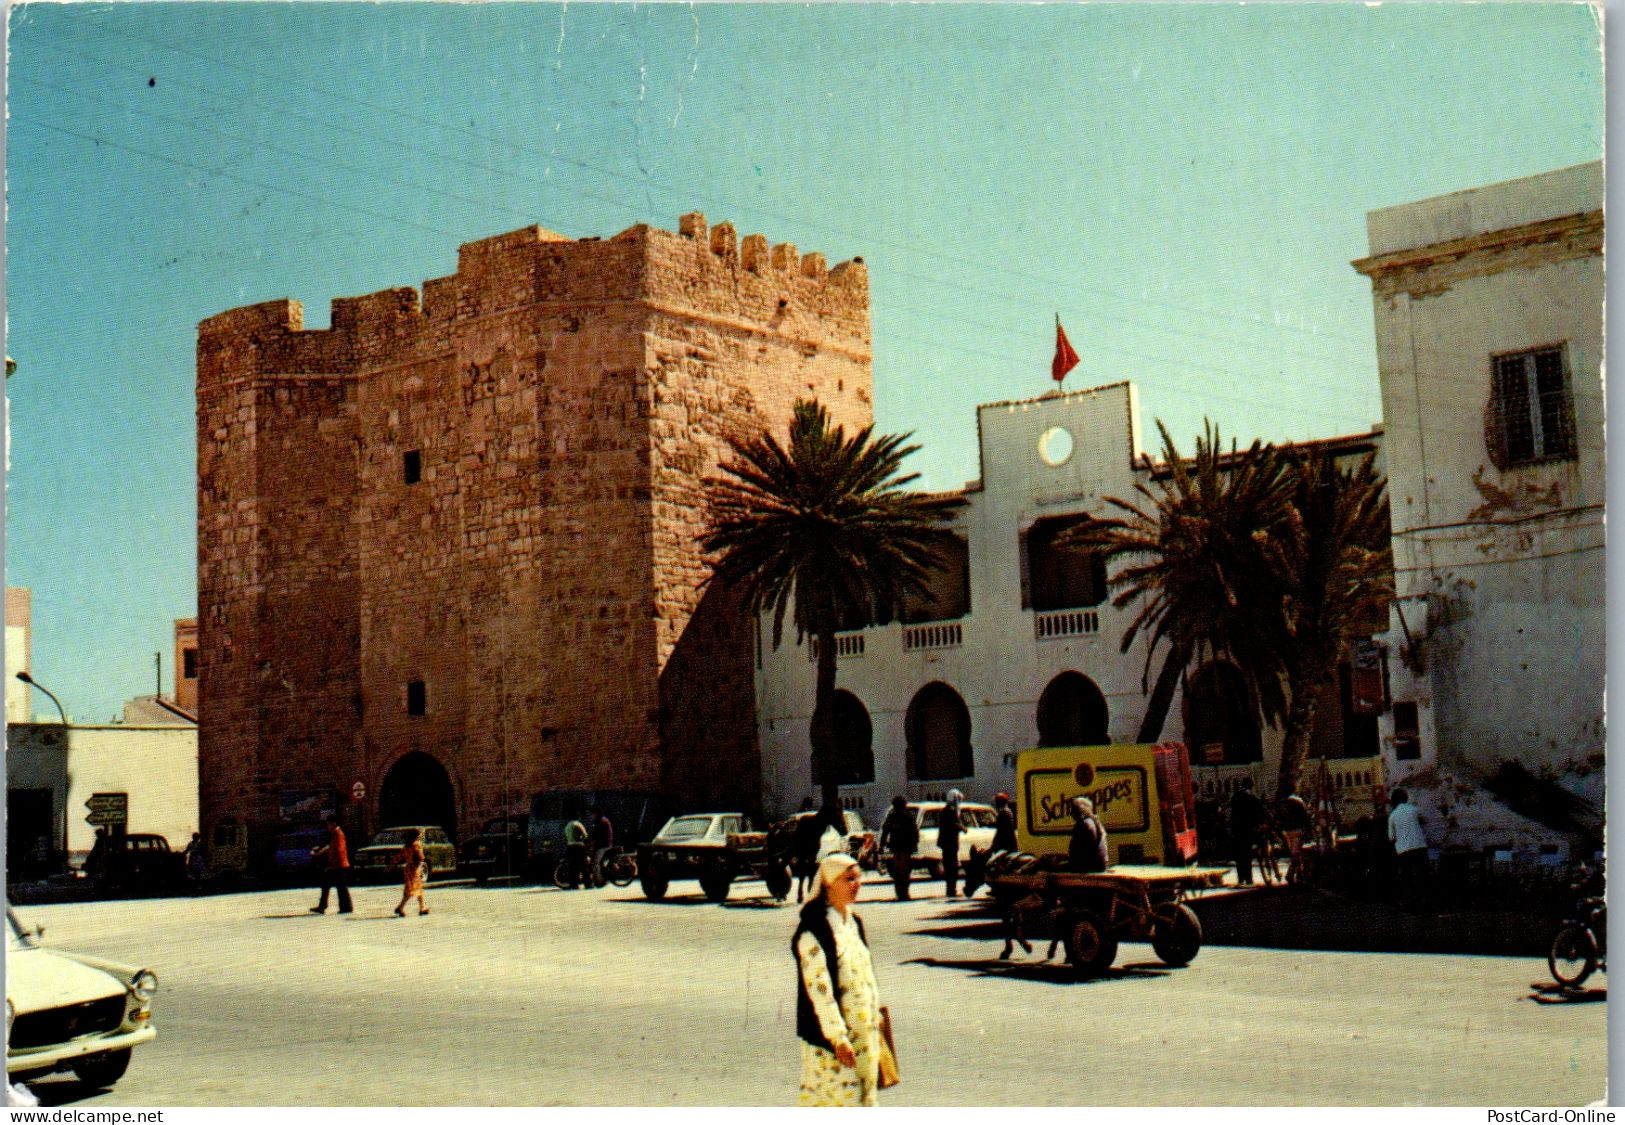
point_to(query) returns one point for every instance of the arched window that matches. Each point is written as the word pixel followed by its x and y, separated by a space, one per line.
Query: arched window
pixel 1061 579
pixel 1072 712
pixel 1217 714
pixel 854 742
pixel 938 731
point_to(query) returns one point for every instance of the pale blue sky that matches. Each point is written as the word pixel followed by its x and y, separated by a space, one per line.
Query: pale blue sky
pixel 1184 185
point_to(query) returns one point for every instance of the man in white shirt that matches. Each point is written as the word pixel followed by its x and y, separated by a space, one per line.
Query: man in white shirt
pixel 1410 844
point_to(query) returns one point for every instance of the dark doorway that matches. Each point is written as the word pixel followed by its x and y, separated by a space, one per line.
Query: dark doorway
pixel 937 728
pixel 1072 712
pixel 418 791
pixel 28 820
pixel 854 743
pixel 1340 730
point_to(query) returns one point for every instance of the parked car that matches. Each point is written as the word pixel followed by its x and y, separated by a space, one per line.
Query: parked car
pixel 860 840
pixel 374 860
pixel 67 1011
pixel 138 861
pixel 293 859
pixel 976 821
pixel 501 849
pixel 714 848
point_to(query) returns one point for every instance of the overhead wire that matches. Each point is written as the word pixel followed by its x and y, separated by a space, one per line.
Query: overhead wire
pixel 270 147
pixel 685 191
pixel 645 181
pixel 15 118
pixel 981 291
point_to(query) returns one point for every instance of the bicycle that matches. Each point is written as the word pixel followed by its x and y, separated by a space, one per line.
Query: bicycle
pixel 572 871
pixel 620 868
pixel 1580 946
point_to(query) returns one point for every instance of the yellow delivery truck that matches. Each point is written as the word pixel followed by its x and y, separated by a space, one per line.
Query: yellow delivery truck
pixel 1142 793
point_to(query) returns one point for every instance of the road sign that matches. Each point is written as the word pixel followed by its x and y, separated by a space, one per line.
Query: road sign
pixel 359 790
pixel 107 809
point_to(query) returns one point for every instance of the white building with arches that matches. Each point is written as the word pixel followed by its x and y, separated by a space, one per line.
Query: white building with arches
pixel 1021 646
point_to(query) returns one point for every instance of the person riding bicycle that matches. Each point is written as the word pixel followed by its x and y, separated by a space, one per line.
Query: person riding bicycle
pixel 603 838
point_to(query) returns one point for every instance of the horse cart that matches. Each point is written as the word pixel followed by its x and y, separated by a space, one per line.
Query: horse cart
pixel 1092 913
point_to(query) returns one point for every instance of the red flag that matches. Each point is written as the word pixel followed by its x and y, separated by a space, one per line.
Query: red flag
pixel 1065 358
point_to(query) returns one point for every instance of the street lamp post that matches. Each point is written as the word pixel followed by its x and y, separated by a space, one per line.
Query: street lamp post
pixel 32 682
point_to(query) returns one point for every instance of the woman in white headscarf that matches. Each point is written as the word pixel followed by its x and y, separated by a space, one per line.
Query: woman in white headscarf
pixel 837 1002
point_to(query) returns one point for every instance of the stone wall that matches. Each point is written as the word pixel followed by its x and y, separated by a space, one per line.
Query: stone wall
pixel 565 401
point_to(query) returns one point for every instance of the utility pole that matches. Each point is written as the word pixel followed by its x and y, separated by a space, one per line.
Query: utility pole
pixel 158 672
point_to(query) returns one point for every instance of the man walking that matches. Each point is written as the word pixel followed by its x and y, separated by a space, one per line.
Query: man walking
pixel 899 837
pixel 335 869
pixel 1004 827
pixel 948 827
pixel 1246 819
pixel 575 852
pixel 1410 845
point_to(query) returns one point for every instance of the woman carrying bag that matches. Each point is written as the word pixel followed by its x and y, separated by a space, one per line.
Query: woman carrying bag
pixel 838 1012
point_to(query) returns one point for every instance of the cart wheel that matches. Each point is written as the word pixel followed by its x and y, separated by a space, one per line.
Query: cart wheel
pixel 1178 938
pixel 1573 957
pixel 1089 948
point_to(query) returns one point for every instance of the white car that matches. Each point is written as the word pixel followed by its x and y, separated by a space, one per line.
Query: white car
pixel 976 825
pixel 66 1011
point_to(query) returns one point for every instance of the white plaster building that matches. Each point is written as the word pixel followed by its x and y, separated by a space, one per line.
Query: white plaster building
pixel 1489 310
pixel 52 770
pixel 1022 646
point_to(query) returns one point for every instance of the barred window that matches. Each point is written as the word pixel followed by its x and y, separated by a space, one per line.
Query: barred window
pixel 1531 412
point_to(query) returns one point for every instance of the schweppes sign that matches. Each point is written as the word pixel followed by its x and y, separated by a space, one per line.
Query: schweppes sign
pixel 1118 792
pixel 1120 780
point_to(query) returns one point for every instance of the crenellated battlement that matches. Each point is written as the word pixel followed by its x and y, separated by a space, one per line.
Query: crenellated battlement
pixel 702 269
pixel 753 254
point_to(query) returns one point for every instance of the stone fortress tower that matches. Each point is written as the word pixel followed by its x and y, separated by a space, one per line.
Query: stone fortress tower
pixel 446 547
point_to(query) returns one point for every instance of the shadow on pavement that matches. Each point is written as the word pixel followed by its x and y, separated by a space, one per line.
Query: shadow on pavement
pixel 975 931
pixel 1550 992
pixel 1300 917
pixel 61 1090
pixel 1043 972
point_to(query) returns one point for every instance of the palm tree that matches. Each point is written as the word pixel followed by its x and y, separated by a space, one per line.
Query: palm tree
pixel 1338 566
pixel 1205 546
pixel 825 525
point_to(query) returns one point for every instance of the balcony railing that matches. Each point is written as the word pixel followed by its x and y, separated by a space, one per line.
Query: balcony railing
pixel 846 645
pixel 1066 623
pixel 950 634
